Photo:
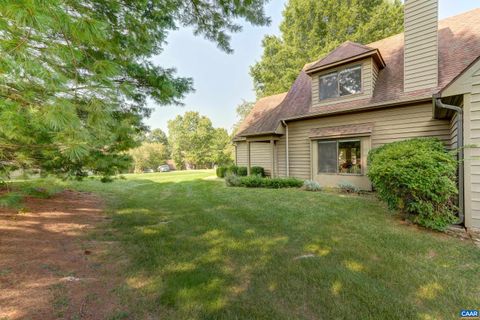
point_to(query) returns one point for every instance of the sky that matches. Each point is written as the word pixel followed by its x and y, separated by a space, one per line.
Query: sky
pixel 222 80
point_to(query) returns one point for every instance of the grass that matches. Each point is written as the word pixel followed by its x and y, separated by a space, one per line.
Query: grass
pixel 200 250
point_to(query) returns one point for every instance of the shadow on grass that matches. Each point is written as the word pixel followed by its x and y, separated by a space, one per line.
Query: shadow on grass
pixel 199 250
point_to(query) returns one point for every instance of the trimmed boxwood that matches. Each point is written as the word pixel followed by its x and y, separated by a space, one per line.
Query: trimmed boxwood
pixel 221 172
pixel 418 177
pixel 259 182
pixel 242 171
pixel 257 171
pixel 236 170
pixel 233 169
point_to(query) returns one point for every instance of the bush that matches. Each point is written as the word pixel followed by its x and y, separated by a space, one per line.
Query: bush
pixel 311 185
pixel 277 183
pixel 252 182
pixel 348 187
pixel 236 170
pixel 232 180
pixel 241 171
pixel 12 200
pixel 257 171
pixel 222 172
pixel 417 177
pixel 259 182
pixel 233 169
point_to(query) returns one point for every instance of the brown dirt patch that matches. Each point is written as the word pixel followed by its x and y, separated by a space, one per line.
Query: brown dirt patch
pixel 49 269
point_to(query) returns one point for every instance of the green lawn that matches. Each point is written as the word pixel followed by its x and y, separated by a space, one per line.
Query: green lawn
pixel 200 250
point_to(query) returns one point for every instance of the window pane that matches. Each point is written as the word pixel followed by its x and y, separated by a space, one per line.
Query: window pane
pixel 350 81
pixel 349 157
pixel 328 86
pixel 327 156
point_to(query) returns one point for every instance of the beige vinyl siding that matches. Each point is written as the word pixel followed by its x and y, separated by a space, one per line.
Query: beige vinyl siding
pixel 367 85
pixel 421 44
pixel 281 157
pixel 468 85
pixel 454 132
pixel 261 155
pixel 392 124
pixel 241 154
pixel 472 153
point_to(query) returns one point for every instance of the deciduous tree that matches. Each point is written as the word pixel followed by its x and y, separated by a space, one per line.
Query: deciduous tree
pixel 243 109
pixel 149 156
pixel 190 138
pixel 157 136
pixel 196 144
pixel 221 148
pixel 312 28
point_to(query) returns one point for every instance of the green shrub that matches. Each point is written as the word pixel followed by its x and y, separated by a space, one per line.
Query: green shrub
pixel 233 169
pixel 38 192
pixel 12 200
pixel 252 182
pixel 257 171
pixel 232 180
pixel 222 172
pixel 417 177
pixel 277 183
pixel 242 171
pixel 311 185
pixel 236 170
pixel 259 182
pixel 42 188
pixel 348 187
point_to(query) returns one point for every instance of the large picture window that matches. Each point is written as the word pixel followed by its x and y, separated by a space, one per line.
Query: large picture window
pixel 340 156
pixel 341 83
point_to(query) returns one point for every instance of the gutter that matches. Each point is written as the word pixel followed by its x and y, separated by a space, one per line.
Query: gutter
pixel 287 160
pixel 371 107
pixel 461 195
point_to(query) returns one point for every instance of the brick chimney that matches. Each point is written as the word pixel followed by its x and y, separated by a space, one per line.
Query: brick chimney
pixel 421 45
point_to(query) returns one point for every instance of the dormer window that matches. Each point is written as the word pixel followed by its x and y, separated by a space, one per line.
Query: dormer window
pixel 341 83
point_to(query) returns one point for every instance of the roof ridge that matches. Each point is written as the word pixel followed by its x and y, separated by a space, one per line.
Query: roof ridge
pixel 346 50
pixel 359 44
pixel 459 14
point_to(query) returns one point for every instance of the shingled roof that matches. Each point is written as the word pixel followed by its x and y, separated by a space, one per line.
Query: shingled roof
pixel 458 47
pixel 259 110
pixel 348 50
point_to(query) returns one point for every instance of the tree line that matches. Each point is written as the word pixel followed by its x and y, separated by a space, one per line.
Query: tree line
pixel 192 143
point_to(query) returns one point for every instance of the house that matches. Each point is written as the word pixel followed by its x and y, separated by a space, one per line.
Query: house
pixel 424 82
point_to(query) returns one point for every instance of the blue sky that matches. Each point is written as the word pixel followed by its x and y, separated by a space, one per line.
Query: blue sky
pixel 222 80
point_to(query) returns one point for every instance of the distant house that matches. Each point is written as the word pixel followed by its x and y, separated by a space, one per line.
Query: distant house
pixel 424 82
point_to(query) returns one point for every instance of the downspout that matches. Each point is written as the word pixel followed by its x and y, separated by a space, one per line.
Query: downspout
pixel 461 195
pixel 287 160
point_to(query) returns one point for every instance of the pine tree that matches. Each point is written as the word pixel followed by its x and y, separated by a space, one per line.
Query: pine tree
pixel 75 75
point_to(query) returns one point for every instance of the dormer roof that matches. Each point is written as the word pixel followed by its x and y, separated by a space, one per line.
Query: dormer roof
pixel 347 52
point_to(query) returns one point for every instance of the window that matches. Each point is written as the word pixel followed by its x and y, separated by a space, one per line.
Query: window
pixel 349 157
pixel 341 83
pixel 327 156
pixel 340 156
pixel 329 86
